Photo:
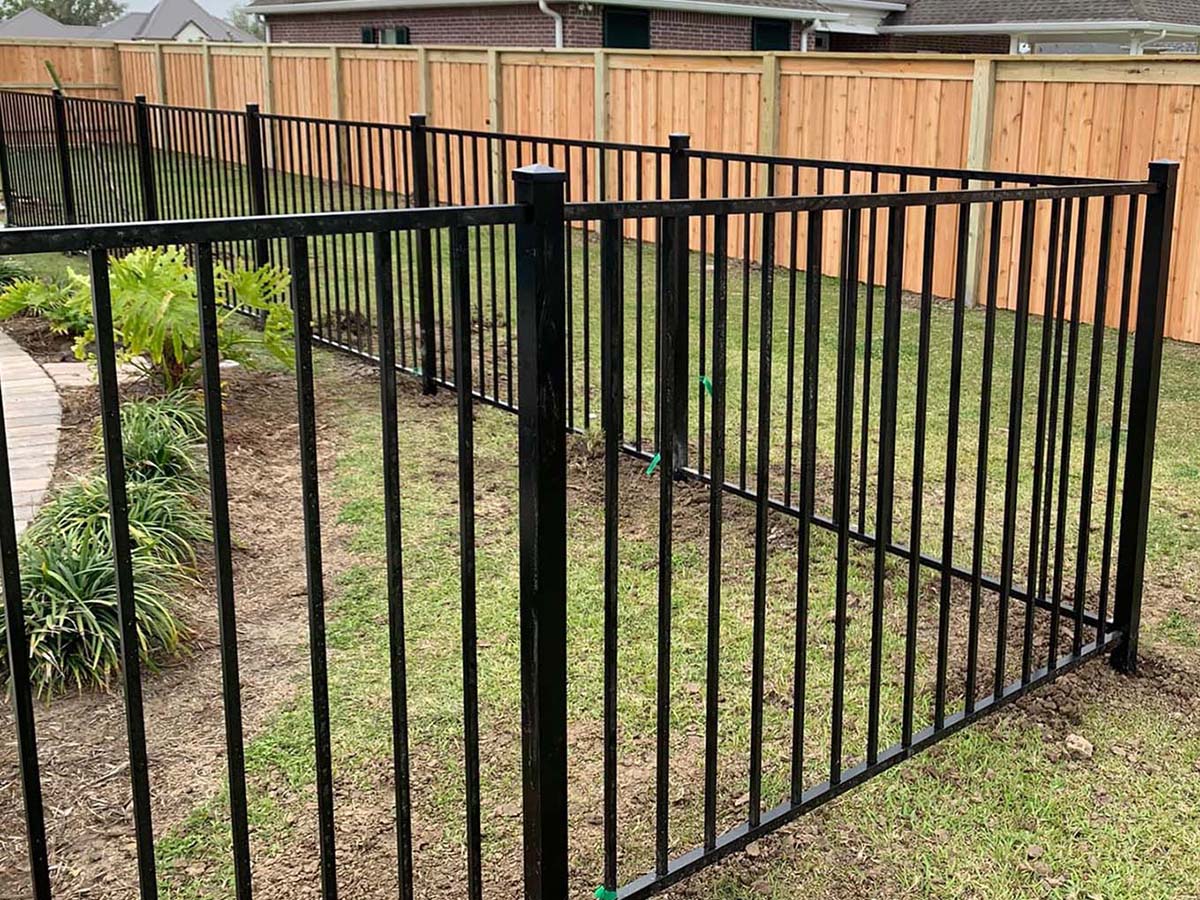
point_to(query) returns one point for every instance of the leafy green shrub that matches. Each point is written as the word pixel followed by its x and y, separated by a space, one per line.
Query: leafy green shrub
pixel 13 269
pixel 154 311
pixel 164 518
pixel 161 437
pixel 66 306
pixel 70 600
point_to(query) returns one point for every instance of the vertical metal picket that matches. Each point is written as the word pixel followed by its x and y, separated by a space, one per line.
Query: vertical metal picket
pixel 257 174
pixel 542 426
pixel 145 158
pixel 677 274
pixel 420 200
pixel 20 688
pixel 118 506
pixel 66 182
pixel 1143 409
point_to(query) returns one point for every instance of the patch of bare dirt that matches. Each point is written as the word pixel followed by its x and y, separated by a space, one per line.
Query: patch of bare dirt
pixel 81 737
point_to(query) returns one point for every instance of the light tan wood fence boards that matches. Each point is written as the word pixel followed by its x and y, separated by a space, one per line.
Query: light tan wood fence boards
pixel 1102 116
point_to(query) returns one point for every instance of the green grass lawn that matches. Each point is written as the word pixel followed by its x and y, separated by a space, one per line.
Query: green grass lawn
pixel 995 811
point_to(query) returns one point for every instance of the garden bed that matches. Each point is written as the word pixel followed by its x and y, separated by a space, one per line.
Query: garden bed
pixel 82 735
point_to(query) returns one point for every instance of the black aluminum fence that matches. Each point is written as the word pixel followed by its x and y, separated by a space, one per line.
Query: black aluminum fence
pixel 935 570
pixel 168 162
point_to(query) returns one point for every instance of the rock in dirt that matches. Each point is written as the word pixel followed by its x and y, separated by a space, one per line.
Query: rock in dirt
pixel 1079 747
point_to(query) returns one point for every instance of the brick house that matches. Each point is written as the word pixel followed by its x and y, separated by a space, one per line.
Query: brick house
pixel 959 26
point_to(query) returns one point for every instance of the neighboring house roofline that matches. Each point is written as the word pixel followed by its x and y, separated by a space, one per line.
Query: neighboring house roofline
pixel 878 5
pixel 1092 26
pixel 699 6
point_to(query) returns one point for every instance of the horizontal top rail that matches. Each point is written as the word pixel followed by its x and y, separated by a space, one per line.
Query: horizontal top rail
pixel 590 143
pixel 313 120
pixel 652 209
pixel 895 168
pixel 65 238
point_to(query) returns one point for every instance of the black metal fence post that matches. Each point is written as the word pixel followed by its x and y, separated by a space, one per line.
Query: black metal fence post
pixel 66 184
pixel 541 360
pixel 420 199
pixel 1143 409
pixel 145 157
pixel 258 179
pixel 676 281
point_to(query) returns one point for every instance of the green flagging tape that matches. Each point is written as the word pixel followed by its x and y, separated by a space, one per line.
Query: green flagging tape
pixel 654 464
pixel 603 893
pixel 707 382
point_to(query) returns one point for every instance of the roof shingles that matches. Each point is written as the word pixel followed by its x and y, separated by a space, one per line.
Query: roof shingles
pixel 991 12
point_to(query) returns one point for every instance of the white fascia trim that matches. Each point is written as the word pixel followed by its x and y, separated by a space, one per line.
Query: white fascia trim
pixel 1090 27
pixel 879 5
pixel 703 6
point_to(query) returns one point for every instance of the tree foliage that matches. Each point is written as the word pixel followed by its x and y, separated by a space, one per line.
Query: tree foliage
pixel 68 12
pixel 241 17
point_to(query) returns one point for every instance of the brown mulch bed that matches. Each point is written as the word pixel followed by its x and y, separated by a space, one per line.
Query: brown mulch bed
pixel 36 338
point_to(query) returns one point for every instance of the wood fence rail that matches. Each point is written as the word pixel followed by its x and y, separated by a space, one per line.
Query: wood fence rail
pixel 1098 116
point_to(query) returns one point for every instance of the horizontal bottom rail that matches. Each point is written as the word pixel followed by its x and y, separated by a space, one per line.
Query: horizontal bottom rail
pixel 901 551
pixel 737 838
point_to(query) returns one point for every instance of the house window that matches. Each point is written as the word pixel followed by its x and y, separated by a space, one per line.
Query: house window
pixel 626 29
pixel 772 34
pixel 398 35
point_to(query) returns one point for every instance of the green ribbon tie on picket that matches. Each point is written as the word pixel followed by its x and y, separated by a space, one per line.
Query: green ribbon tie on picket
pixel 707 382
pixel 603 893
pixel 654 464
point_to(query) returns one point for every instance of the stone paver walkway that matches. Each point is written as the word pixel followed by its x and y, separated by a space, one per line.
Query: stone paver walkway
pixel 32 414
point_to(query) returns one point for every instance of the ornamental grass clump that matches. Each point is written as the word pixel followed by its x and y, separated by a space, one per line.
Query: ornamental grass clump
pixel 68 581
pixel 73 630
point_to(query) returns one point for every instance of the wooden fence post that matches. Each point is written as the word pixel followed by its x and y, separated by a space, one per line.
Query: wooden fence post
pixel 606 171
pixel 424 89
pixel 210 85
pixel 768 116
pixel 335 82
pixel 160 72
pixel 495 118
pixel 979 151
pixel 268 86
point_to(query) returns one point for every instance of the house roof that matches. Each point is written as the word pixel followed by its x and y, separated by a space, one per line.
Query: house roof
pixel 1001 15
pixel 166 20
pixel 788 9
pixel 126 28
pixel 163 23
pixel 33 23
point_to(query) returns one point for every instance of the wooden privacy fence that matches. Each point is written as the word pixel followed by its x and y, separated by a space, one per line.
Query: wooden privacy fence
pixel 1103 117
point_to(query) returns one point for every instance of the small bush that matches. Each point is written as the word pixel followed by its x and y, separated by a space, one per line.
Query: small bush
pixel 155 322
pixel 162 437
pixel 12 269
pixel 164 518
pixel 71 620
pixel 155 319
pixel 65 306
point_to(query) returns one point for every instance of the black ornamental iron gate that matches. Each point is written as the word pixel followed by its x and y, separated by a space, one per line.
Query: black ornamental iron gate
pixel 836 393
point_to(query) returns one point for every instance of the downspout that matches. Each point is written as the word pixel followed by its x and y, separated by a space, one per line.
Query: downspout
pixel 1138 43
pixel 805 34
pixel 558 22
